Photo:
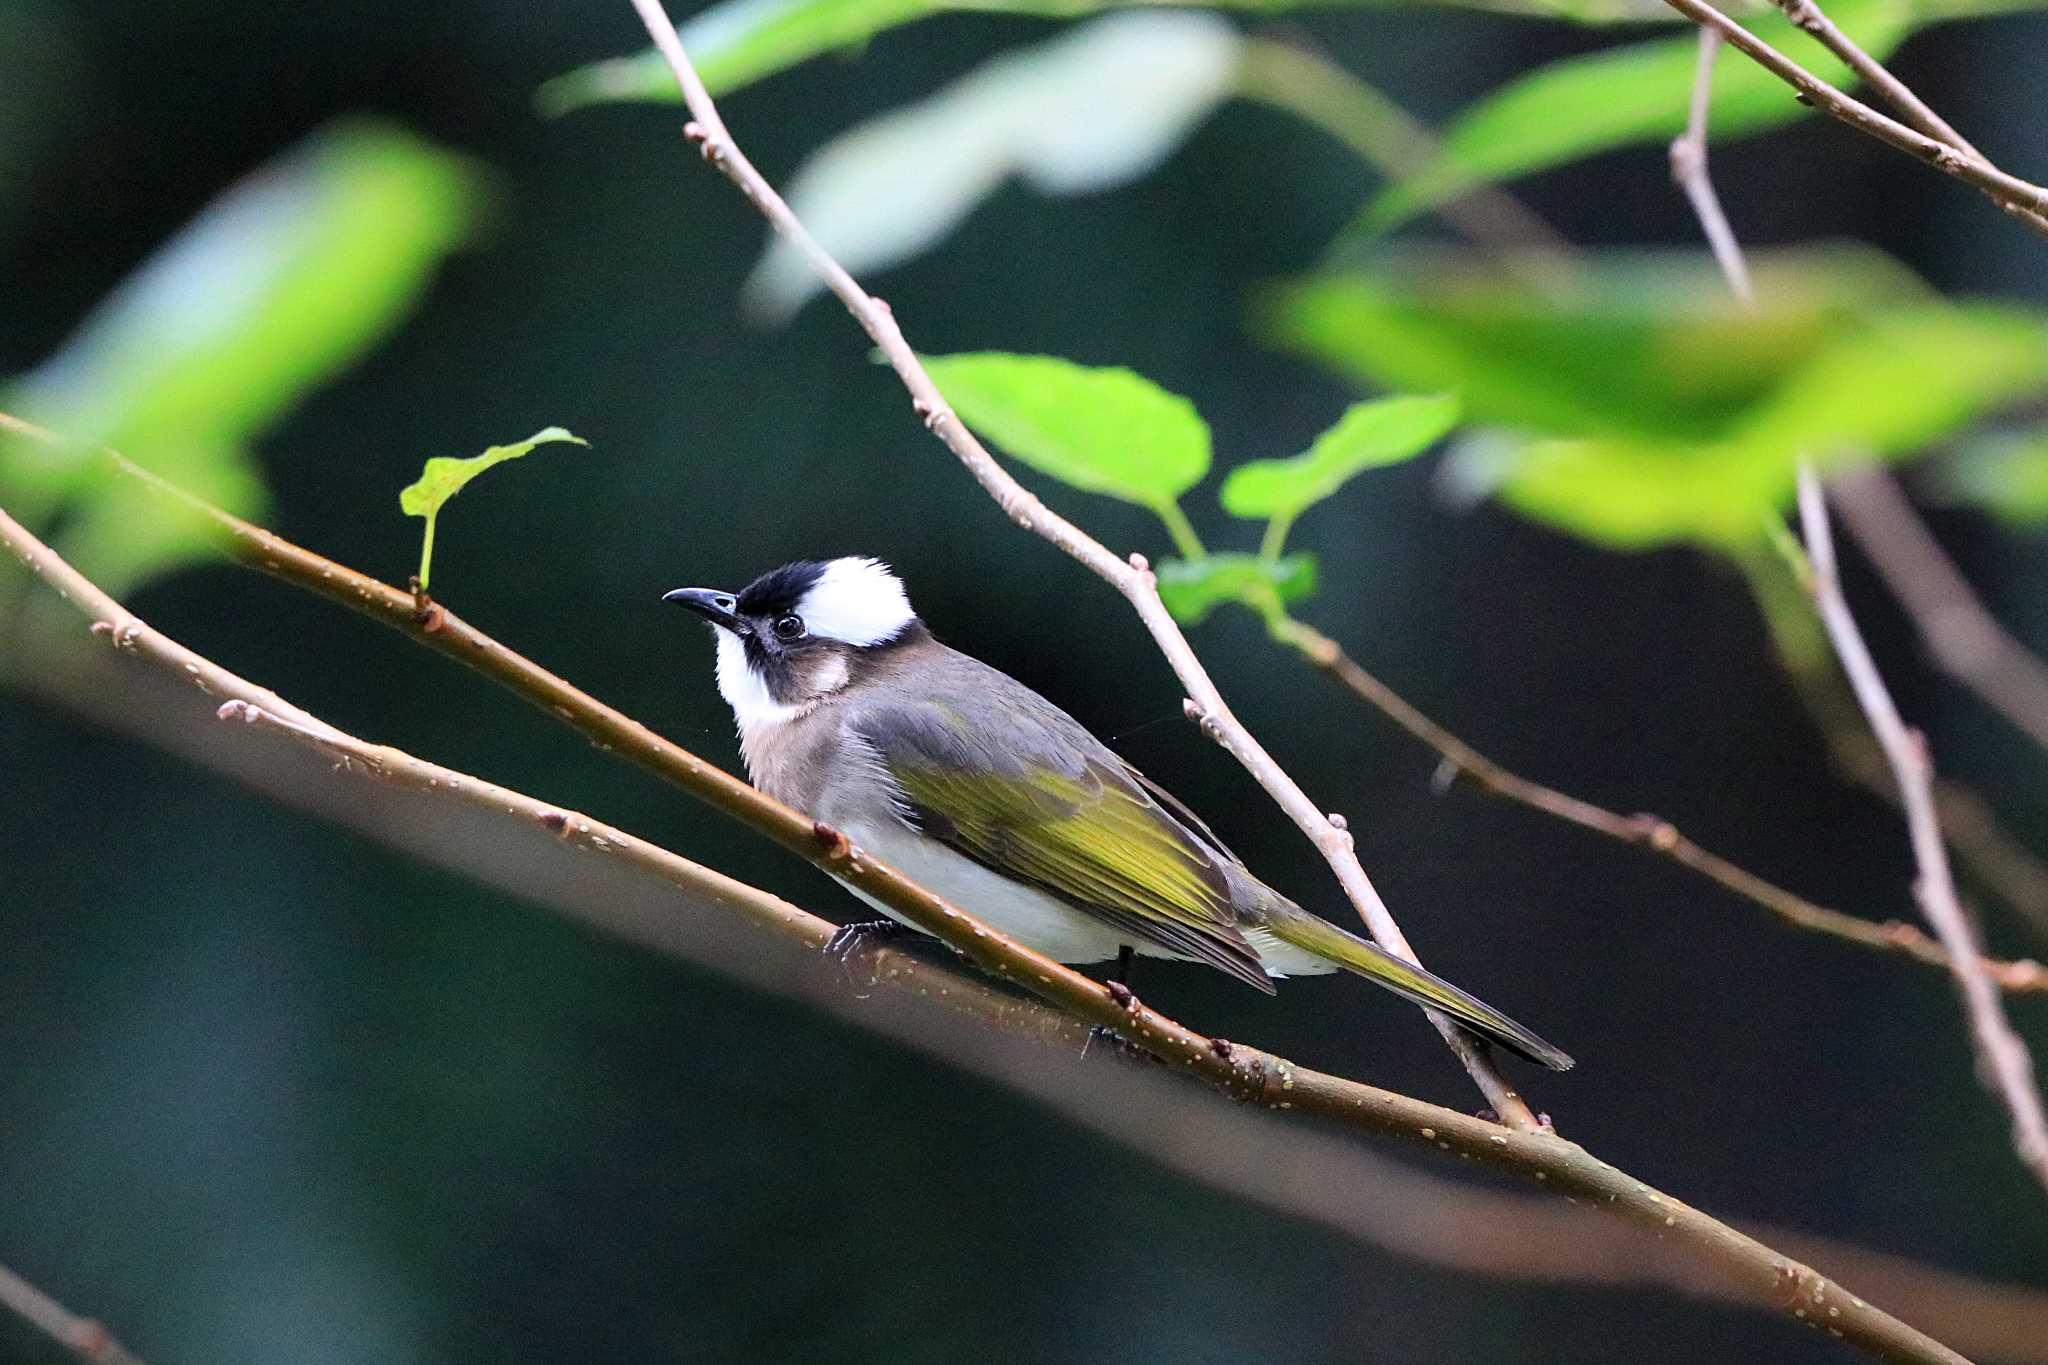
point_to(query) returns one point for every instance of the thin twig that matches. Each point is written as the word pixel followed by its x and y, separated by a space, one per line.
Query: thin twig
pixel 1963 637
pixel 1245 1073
pixel 1689 169
pixel 2004 1057
pixel 1643 830
pixel 1809 17
pixel 83 1337
pixel 2010 1071
pixel 1132 578
pixel 2026 200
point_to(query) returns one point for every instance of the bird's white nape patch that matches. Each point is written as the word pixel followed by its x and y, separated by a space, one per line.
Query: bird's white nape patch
pixel 857 601
pixel 745 690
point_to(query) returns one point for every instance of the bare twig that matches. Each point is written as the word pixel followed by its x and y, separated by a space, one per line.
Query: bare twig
pixel 1809 17
pixel 83 1337
pixel 2027 201
pixel 2009 1070
pixel 1643 830
pixel 1961 635
pixel 1689 169
pixel 1132 578
pixel 1245 1073
pixel 2004 1057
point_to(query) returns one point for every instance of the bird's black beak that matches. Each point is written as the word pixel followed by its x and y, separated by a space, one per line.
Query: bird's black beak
pixel 711 604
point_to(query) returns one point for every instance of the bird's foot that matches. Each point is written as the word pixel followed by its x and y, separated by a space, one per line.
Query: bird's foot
pixel 859 936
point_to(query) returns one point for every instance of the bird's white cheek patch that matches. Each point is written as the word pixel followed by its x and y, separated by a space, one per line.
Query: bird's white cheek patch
pixel 745 690
pixel 858 601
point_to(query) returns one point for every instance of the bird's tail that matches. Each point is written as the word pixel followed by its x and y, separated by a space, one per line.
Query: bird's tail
pixel 1325 940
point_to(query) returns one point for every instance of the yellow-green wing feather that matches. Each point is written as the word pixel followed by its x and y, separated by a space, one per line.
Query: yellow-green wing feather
pixel 1073 823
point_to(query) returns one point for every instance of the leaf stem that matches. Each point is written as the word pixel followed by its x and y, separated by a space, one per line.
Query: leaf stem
pixel 1181 529
pixel 1276 536
pixel 427 551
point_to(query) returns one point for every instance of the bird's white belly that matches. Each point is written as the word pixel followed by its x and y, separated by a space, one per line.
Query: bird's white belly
pixel 1033 918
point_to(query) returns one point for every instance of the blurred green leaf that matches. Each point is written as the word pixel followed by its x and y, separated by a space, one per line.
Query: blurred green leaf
pixel 279 284
pixel 1642 344
pixel 738 42
pixel 1622 97
pixel 1192 589
pixel 444 476
pixel 1098 106
pixel 1638 406
pixel 1369 435
pixel 2006 473
pixel 1106 431
pixel 1889 389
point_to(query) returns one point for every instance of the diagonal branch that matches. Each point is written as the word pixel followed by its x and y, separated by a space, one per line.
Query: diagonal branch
pixel 2009 1070
pixel 1247 1074
pixel 2023 199
pixel 1810 18
pixel 83 1337
pixel 1131 578
pixel 1964 638
pixel 1643 830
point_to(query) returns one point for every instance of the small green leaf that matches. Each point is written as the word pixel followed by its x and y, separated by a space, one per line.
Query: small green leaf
pixel 281 283
pixel 445 476
pixel 1192 589
pixel 1105 430
pixel 1621 97
pixel 1368 436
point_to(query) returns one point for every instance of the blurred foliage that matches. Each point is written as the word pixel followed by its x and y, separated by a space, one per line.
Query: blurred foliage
pixel 1117 433
pixel 281 283
pixel 2006 473
pixel 1625 96
pixel 1644 405
pixel 444 476
pixel 1095 108
pixel 737 42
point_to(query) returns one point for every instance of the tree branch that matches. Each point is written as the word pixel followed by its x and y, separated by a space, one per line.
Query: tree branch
pixel 1131 578
pixel 1759 1273
pixel 2025 200
pixel 83 1337
pixel 1963 637
pixel 2010 1069
pixel 2004 1057
pixel 1808 17
pixel 1642 830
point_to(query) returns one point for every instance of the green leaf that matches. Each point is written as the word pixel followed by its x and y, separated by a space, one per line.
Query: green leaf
pixel 444 476
pixel 1622 97
pixel 1640 344
pixel 737 42
pixel 1889 389
pixel 1369 435
pixel 1095 108
pixel 1106 431
pixel 1192 589
pixel 280 284
pixel 2006 473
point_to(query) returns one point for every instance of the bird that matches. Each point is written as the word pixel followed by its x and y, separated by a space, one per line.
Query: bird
pixel 972 784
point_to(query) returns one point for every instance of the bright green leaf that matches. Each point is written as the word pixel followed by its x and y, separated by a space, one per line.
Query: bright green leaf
pixel 1639 344
pixel 1096 107
pixel 1622 97
pixel 445 476
pixel 279 284
pixel 1103 431
pixel 1192 589
pixel 1369 435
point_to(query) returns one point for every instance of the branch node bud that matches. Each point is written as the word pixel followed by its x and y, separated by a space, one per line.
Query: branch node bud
pixel 831 840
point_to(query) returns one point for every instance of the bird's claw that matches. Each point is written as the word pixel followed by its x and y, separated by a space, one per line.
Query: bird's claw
pixel 855 938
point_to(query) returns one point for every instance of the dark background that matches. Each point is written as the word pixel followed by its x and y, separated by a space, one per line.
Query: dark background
pixel 270 1093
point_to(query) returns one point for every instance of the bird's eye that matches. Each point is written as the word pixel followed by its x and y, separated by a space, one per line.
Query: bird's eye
pixel 789 627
